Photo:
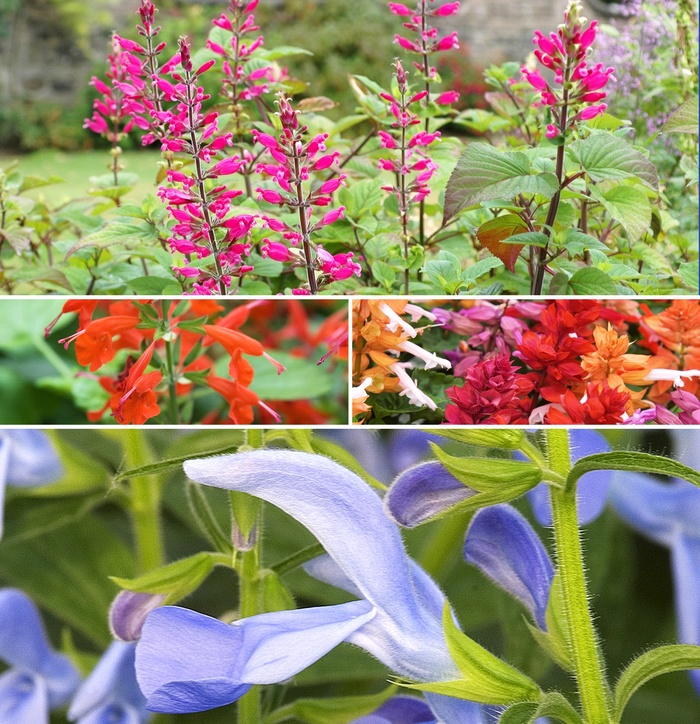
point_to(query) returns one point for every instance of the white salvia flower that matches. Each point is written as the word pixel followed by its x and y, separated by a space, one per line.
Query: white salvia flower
pixel 395 321
pixel 360 391
pixel 430 358
pixel 417 312
pixel 675 376
pixel 410 389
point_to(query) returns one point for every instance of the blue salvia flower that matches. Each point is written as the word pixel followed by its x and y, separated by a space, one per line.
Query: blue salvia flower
pixel 27 460
pixel 670 515
pixel 188 662
pixel 504 546
pixel 111 695
pixel 39 679
pixel 427 489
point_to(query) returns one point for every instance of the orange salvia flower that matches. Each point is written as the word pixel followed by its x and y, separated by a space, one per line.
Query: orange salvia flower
pixel 93 345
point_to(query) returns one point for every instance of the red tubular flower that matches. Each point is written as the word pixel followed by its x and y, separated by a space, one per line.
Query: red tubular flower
pixel 239 397
pixel 94 346
pixel 602 405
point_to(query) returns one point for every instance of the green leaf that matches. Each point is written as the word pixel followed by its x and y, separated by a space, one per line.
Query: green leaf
pixel 553 704
pixel 658 661
pixel 689 274
pixel 484 173
pixel 684 119
pixel 361 198
pixel 338 710
pixel 302 380
pixel 149 285
pixel 631 460
pixel 487 679
pixel 576 242
pixel 25 325
pixel 504 439
pixel 483 266
pixel 591 282
pixel 275 595
pixel 66 572
pixel 604 157
pixel 630 206
pixel 175 580
pixel 491 475
pixel 445 271
pixel 384 273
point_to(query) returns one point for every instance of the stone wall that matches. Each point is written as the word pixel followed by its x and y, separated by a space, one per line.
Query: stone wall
pixel 39 58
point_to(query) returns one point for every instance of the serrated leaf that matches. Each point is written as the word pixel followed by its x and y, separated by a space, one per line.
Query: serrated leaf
pixel 492 234
pixel 658 661
pixel 591 282
pixel 384 273
pixel 689 273
pixel 149 285
pixel 483 266
pixel 175 580
pixel 577 242
pixel 633 461
pixel 684 119
pixel 360 198
pixel 604 157
pixel 630 206
pixel 483 173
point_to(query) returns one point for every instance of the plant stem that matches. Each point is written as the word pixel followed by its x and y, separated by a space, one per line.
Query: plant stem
pixel 304 227
pixel 248 568
pixel 145 505
pixel 173 412
pixel 588 661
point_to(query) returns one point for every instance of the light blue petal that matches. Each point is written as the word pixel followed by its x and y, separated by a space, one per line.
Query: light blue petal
pixel 458 711
pixel 503 545
pixel 685 559
pixel 112 683
pixel 188 662
pixel 422 492
pixel 400 710
pixel 33 460
pixel 348 519
pixel 23 699
pixel 653 508
pixel 23 643
pixel 592 490
pixel 114 714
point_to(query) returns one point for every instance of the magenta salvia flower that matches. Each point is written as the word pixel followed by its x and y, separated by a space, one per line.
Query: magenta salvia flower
pixel 565 53
pixel 292 161
pixel 204 225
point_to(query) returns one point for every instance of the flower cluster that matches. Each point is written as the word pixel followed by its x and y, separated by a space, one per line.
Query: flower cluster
pixel 291 162
pixel 179 343
pixel 564 362
pixel 426 38
pixel 380 336
pixel 577 89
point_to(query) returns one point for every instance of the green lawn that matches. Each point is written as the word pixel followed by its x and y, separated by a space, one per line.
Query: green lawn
pixel 77 167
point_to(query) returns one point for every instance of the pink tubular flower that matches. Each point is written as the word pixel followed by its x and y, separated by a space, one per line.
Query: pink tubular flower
pixel 296 158
pixel 399 9
pixel 447 98
pixel 446 9
pixel 566 52
pixel 552 131
pixel 449 42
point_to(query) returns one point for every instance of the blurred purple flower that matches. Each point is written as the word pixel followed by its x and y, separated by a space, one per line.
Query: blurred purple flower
pixel 592 489
pixel 27 460
pixel 188 662
pixel 409 710
pixel 39 679
pixel 670 515
pixel 110 693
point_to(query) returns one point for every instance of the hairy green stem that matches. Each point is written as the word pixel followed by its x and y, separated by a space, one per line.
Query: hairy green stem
pixel 145 505
pixel 588 661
